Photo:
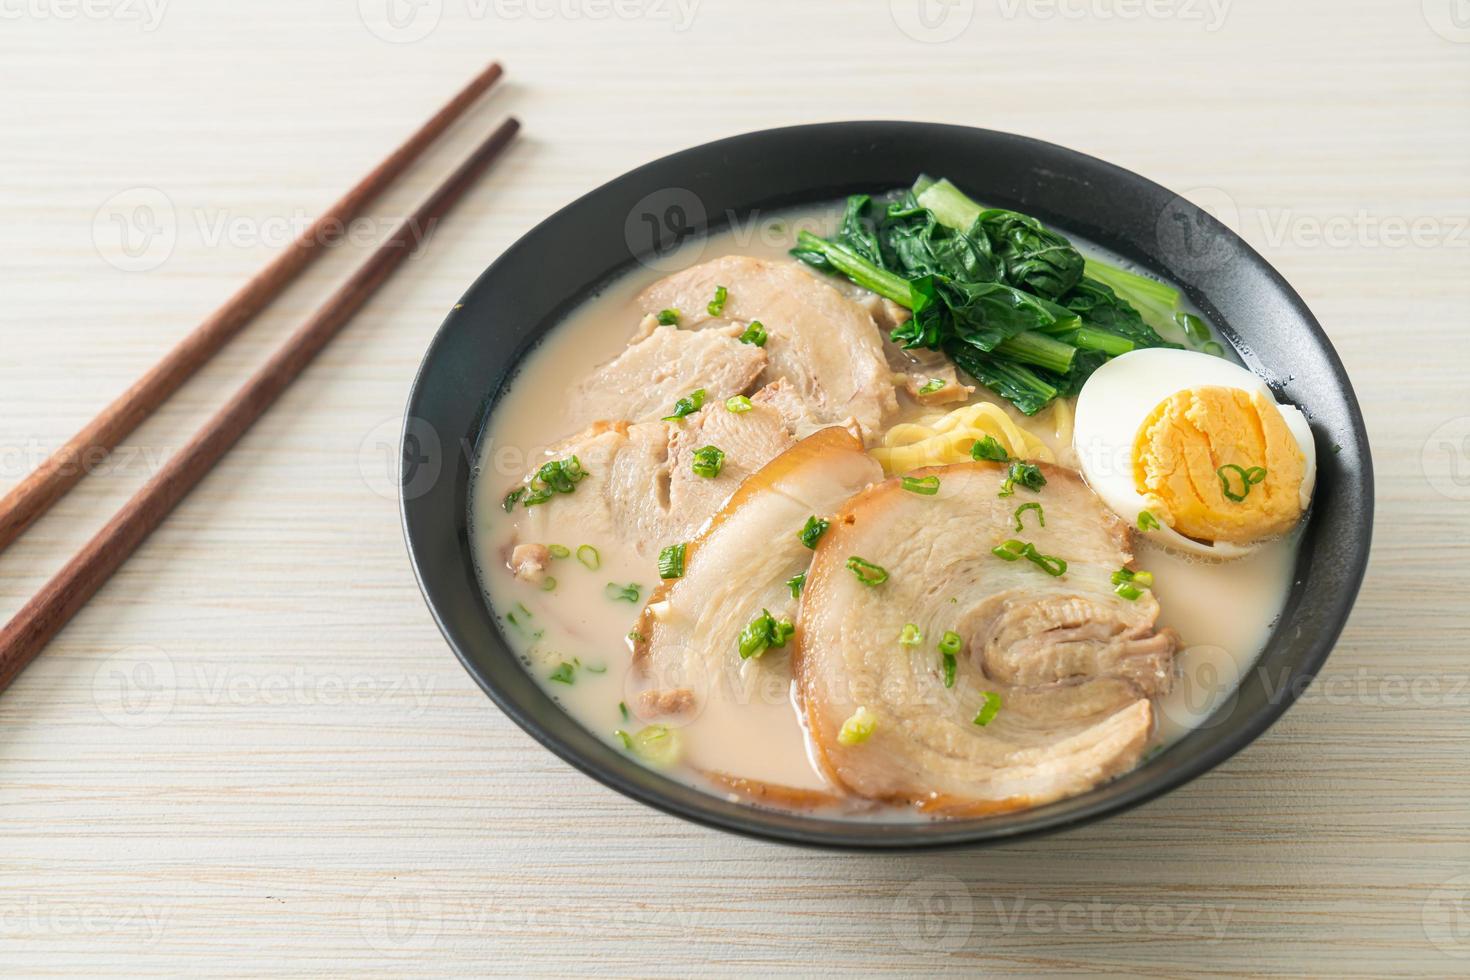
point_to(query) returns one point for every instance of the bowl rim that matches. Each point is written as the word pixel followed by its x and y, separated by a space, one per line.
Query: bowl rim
pixel 763 823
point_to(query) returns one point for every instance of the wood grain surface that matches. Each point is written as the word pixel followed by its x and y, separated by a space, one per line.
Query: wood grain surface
pixel 253 754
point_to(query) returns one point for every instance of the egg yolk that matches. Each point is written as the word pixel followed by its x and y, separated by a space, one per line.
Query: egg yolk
pixel 1193 437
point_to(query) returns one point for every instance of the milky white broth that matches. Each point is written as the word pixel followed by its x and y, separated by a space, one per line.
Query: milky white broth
pixel 1223 612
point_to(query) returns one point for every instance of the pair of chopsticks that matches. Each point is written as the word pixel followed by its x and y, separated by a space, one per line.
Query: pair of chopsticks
pixel 52 607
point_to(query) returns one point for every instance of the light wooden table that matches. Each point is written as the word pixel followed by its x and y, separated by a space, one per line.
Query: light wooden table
pixel 252 753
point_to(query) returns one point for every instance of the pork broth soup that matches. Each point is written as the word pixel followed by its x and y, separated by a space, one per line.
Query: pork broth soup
pixel 736 531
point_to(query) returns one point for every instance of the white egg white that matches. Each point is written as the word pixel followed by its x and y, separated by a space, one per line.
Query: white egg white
pixel 1120 395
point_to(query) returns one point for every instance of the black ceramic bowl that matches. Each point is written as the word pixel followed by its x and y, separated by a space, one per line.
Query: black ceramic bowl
pixel 638 216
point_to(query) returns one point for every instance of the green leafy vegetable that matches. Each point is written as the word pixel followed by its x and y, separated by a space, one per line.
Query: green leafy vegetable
pixel 1028 475
pixel 1013 302
pixel 1036 258
pixel 989 449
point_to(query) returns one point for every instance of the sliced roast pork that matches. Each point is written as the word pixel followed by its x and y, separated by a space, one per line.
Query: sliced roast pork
pixel 640 487
pixel 662 365
pixel 824 344
pixel 1052 675
pixel 735 594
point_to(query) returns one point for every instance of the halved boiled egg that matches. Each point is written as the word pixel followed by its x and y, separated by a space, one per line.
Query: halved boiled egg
pixel 1194 451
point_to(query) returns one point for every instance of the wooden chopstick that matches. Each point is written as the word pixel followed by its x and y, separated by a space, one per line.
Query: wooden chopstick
pixel 50 609
pixel 61 471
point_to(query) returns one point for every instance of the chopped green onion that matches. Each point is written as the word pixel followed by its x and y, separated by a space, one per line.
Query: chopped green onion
pixel 795 583
pixel 1028 475
pixel 1147 521
pixel 950 643
pixel 1122 575
pixel 622 593
pixel 866 572
pixel 989 449
pixel 1040 515
pixel 634 636
pixel 595 670
pixel 1050 564
pixel 657 745
pixel 812 531
pixel 708 461
pixel 1013 550
pixel 931 386
pixel 950 663
pixel 926 486
pixel 858 729
pixel 557 476
pixel 624 737
pixel 686 406
pixel 1213 348
pixel 671 561
pixel 558 550
pixel 509 503
pixel 564 673
pixel 1010 550
pixel 989 710
pixel 668 318
pixel 763 633
pixel 754 334
pixel 623 709
pixel 1128 591
pixel 1248 478
pixel 738 404
pixel 910 635
pixel 548 583
pixel 717 305
pixel 588 556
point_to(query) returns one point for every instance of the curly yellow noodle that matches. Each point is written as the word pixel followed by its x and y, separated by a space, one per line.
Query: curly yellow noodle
pixel 941 439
